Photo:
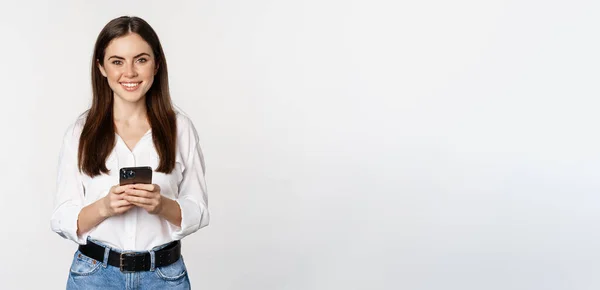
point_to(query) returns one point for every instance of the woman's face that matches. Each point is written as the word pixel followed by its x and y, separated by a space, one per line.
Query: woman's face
pixel 129 67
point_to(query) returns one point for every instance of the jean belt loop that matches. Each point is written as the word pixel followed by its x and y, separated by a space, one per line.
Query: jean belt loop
pixel 106 252
pixel 152 260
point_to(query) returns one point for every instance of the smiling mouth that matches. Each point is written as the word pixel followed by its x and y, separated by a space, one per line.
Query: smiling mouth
pixel 130 86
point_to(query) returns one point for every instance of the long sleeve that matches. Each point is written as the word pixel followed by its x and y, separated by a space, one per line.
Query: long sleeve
pixel 69 198
pixel 193 198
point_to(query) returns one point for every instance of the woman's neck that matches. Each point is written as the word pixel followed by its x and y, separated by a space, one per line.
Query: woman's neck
pixel 129 112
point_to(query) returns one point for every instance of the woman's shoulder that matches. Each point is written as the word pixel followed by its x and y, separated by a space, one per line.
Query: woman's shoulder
pixel 74 129
pixel 185 126
pixel 182 117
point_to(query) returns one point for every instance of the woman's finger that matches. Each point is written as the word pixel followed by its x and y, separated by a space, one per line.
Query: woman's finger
pixel 147 187
pixel 120 203
pixel 138 192
pixel 142 205
pixel 137 199
pixel 124 208
pixel 121 188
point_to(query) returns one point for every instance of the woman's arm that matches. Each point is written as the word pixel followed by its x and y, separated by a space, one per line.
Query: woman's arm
pixel 171 211
pixel 110 205
pixel 90 216
pixel 69 195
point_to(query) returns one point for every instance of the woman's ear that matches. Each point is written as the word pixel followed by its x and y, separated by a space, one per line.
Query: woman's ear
pixel 156 69
pixel 102 71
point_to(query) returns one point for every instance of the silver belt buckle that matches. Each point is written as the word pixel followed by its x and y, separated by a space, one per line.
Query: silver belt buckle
pixel 121 258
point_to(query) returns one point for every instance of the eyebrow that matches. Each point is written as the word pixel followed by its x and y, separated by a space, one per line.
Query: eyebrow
pixel 120 57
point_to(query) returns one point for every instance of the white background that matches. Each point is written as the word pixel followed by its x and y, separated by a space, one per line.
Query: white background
pixel 349 144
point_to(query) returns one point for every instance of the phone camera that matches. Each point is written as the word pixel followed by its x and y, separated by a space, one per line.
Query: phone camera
pixel 127 174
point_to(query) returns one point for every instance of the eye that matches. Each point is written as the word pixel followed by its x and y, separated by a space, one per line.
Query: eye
pixel 142 60
pixel 116 62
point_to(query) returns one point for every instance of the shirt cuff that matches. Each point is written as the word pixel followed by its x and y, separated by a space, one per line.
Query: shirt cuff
pixel 64 223
pixel 193 218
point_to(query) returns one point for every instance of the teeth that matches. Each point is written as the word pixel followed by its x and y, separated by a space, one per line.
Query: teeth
pixel 130 85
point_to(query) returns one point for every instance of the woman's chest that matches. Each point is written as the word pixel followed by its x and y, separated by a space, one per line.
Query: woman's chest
pixel 143 154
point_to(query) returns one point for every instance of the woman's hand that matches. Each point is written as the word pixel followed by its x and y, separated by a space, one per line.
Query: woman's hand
pixel 146 196
pixel 114 203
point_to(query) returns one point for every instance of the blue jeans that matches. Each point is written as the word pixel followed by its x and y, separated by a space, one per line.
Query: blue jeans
pixel 87 273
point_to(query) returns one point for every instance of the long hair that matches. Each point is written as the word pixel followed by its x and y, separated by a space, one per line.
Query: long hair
pixel 98 136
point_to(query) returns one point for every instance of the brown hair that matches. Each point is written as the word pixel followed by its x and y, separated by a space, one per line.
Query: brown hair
pixel 98 136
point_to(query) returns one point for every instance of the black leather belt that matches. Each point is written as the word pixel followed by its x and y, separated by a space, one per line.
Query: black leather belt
pixel 134 261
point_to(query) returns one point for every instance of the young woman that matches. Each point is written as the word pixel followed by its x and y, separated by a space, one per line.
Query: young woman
pixel 129 235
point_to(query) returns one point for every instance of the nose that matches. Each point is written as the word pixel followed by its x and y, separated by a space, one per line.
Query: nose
pixel 130 71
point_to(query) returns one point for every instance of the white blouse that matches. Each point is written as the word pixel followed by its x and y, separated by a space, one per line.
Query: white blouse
pixel 136 229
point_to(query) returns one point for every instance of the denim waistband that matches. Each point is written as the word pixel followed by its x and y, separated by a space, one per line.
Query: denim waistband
pixel 121 250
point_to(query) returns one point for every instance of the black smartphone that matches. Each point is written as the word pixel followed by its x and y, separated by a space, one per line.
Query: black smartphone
pixel 140 174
